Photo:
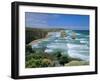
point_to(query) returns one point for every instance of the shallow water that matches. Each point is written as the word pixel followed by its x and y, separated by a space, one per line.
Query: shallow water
pixel 77 48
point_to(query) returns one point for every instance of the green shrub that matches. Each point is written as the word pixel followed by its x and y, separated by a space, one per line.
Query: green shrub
pixel 63 60
pixel 38 60
pixel 29 49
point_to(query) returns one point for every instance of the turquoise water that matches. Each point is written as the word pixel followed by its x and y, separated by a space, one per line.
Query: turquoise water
pixel 76 48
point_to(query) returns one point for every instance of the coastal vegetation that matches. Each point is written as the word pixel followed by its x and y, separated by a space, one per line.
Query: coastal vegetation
pixel 38 59
pixel 41 59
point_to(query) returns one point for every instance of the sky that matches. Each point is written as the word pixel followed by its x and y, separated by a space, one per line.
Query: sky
pixel 52 20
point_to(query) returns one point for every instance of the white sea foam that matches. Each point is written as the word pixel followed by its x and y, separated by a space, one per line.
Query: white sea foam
pixel 78 51
pixel 48 51
pixel 76 54
pixel 77 48
pixel 83 41
pixel 57 46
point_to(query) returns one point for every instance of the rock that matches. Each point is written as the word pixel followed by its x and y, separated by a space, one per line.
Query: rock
pixel 77 63
pixel 73 35
pixel 63 33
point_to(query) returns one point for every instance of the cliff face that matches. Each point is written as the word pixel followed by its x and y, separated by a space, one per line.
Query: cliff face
pixel 33 34
pixel 37 33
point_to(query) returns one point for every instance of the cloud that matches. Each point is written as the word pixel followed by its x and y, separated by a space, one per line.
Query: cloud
pixel 38 19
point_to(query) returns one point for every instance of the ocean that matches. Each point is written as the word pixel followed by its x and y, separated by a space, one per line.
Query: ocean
pixel 75 43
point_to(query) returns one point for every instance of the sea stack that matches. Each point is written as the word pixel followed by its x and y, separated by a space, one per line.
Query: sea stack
pixel 63 33
pixel 73 35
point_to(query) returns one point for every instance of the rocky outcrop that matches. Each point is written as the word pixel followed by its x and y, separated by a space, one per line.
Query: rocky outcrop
pixel 77 63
